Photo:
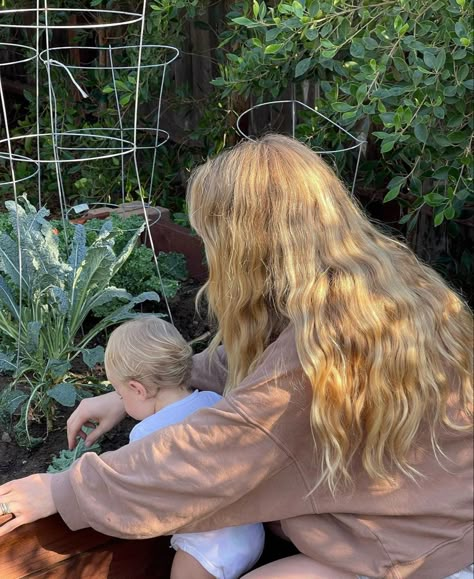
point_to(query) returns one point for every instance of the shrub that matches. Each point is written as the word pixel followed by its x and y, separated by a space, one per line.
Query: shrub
pixel 397 74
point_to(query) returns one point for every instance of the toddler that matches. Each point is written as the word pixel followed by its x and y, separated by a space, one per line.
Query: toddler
pixel 148 363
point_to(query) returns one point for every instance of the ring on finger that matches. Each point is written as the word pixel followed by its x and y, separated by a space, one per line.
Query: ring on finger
pixel 5 509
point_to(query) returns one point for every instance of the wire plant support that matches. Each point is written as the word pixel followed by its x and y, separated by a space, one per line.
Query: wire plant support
pixel 357 144
pixel 52 144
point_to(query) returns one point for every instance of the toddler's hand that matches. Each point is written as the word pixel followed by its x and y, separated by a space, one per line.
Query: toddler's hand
pixel 101 414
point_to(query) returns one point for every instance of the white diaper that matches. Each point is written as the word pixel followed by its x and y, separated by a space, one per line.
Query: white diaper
pixel 226 553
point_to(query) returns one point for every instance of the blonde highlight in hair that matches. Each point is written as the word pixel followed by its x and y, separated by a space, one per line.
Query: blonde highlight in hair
pixel 381 337
pixel 150 351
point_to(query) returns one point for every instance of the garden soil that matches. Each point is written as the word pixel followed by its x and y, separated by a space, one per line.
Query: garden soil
pixel 16 462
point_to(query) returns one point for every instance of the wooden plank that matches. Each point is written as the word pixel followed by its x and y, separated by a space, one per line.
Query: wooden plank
pixel 47 548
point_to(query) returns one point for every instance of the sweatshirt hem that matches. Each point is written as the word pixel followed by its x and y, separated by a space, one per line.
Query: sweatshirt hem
pixel 441 562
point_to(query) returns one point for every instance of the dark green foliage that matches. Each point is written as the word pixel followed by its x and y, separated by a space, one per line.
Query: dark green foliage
pixel 398 75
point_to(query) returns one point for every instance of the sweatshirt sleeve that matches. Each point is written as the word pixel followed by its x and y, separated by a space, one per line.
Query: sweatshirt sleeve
pixel 209 371
pixel 172 478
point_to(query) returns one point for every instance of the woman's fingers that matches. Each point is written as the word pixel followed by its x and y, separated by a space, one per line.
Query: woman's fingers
pixel 10 525
pixel 4 490
pixel 28 499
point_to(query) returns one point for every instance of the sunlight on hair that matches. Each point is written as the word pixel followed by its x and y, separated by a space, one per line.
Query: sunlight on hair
pixel 381 337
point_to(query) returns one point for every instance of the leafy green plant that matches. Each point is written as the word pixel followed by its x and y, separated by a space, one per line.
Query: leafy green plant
pixel 138 274
pixel 65 458
pixel 45 301
pixel 398 73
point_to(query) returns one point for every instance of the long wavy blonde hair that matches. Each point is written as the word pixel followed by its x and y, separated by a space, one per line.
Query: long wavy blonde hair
pixel 381 337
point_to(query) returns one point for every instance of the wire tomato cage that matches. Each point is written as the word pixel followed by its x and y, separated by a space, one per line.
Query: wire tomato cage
pixel 354 143
pixel 83 146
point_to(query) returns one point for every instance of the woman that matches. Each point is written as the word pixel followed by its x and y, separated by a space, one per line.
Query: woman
pixel 347 381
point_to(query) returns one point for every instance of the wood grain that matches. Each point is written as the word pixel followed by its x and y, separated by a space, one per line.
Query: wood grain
pixel 48 549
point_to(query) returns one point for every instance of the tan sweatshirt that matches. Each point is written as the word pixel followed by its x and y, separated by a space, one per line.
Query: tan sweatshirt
pixel 250 458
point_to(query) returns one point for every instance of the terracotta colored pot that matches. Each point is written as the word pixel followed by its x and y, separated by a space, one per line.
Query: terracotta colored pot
pixel 166 235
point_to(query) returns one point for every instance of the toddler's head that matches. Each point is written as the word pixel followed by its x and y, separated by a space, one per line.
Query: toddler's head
pixel 149 364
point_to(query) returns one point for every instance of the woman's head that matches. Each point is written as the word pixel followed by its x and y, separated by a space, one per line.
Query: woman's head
pixel 380 336
pixel 145 357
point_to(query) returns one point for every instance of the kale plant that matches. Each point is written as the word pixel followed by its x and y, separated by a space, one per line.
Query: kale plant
pixel 45 299
pixel 65 458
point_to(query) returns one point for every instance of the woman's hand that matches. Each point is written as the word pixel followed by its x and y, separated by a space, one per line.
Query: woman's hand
pixel 100 413
pixel 28 499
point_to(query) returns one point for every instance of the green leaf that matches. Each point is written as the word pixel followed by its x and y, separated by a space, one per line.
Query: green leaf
pixel 65 459
pixel 421 132
pixel 398 23
pixel 441 173
pixel 392 194
pixel 242 21
pixel 329 53
pixel 342 107
pixel 458 137
pixel 58 368
pixel 439 218
pixel 382 135
pixel 125 99
pixel 460 29
pixel 32 336
pixel 370 43
pixel 429 59
pixel 12 400
pixel 387 146
pixel 122 258
pixel 273 48
pixel 6 297
pixel 64 393
pixel 397 181
pixel 255 8
pixel 357 49
pixel 6 362
pixel 109 294
pixel 272 34
pixel 93 356
pixel 440 59
pixel 361 93
pixel 459 54
pixel 302 66
pixel 434 199
pixel 449 213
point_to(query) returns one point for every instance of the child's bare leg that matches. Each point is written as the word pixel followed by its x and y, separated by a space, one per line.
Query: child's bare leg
pixel 297 567
pixel 185 566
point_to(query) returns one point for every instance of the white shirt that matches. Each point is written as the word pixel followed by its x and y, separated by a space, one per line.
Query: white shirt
pixel 174 413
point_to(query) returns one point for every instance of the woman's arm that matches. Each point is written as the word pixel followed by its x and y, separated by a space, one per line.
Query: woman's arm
pixel 171 479
pixel 209 372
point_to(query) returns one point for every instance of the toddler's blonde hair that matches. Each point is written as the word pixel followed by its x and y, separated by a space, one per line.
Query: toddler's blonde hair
pixel 150 351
